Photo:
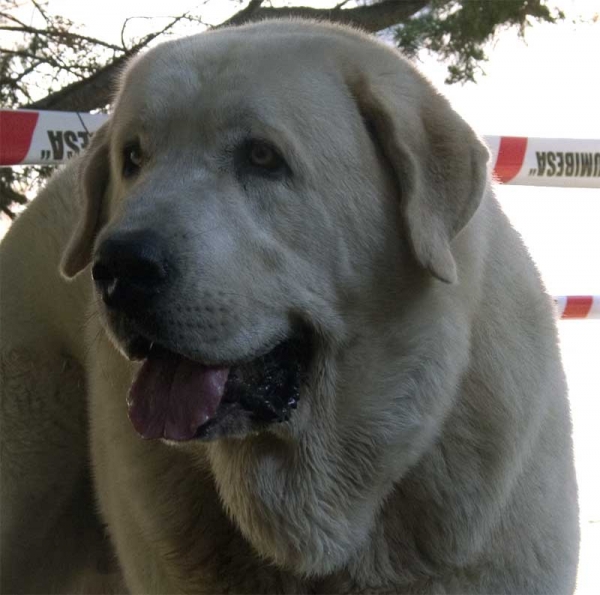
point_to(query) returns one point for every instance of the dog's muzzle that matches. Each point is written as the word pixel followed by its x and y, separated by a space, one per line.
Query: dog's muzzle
pixel 175 396
pixel 130 269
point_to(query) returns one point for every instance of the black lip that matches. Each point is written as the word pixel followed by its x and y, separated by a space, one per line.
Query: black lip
pixel 138 348
pixel 263 389
pixel 269 386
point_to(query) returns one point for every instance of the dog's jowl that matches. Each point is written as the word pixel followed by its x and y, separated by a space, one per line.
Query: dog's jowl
pixel 272 333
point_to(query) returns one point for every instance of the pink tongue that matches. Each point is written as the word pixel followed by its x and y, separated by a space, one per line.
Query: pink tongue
pixel 171 397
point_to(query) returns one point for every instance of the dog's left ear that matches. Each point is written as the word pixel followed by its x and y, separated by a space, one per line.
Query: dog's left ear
pixel 438 161
pixel 93 180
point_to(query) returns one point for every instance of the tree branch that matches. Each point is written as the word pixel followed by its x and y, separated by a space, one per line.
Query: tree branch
pixel 50 59
pixel 244 15
pixel 85 95
pixel 175 20
pixel 9 213
pixel 41 11
pixel 372 18
pixel 10 17
pixel 52 32
pixel 19 53
pixel 97 90
pixel 8 196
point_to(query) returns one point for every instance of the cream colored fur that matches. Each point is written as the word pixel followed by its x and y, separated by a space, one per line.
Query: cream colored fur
pixel 431 449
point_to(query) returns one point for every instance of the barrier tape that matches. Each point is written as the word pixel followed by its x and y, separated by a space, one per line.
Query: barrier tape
pixel 46 137
pixel 29 137
pixel 562 162
pixel 577 306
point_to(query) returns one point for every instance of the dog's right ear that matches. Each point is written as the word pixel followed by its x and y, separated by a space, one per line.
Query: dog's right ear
pixel 94 176
pixel 439 163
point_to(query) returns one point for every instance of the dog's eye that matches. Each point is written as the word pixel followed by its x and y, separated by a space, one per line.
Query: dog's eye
pixel 132 159
pixel 262 156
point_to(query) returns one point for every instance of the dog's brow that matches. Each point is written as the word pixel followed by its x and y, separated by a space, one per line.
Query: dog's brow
pixel 249 123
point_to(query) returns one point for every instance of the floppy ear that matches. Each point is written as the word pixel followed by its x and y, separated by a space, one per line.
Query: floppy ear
pixel 439 163
pixel 93 181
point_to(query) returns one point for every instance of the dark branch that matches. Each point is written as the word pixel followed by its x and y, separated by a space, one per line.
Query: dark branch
pixel 8 196
pixel 244 15
pixel 372 18
pixel 54 33
pixel 20 53
pixel 9 213
pixel 85 95
pixel 54 61
pixel 10 17
pixel 41 11
pixel 185 15
pixel 97 90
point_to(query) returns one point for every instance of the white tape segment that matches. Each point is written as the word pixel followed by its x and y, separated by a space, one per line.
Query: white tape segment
pixel 45 137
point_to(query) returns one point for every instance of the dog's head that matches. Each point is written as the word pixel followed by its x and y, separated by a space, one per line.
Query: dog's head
pixel 259 207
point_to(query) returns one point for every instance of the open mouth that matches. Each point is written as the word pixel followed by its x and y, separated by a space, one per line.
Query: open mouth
pixel 176 398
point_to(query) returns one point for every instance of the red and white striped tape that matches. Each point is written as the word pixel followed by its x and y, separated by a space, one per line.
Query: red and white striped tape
pixel 44 137
pixel 577 306
pixel 563 162
pixel 40 137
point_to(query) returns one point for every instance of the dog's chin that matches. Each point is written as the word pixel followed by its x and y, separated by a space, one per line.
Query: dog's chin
pixel 177 396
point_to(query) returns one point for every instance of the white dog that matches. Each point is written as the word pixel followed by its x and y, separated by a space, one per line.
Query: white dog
pixel 314 357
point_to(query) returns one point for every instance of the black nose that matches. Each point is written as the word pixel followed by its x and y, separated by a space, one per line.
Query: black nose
pixel 130 269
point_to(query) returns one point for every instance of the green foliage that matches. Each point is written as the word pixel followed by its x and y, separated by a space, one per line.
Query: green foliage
pixel 458 30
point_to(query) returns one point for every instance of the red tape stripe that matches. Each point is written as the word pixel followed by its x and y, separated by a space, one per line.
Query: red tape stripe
pixel 511 154
pixel 16 132
pixel 578 306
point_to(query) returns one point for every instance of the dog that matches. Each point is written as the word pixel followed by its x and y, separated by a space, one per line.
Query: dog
pixel 294 347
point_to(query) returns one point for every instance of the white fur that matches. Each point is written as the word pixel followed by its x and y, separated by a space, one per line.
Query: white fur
pixel 431 450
